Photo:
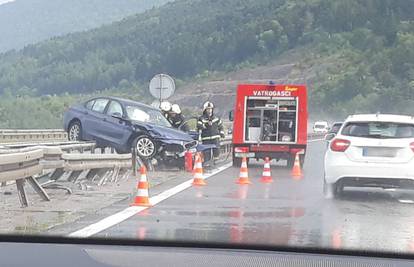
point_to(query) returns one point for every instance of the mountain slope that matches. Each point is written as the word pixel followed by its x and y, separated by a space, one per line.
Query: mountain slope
pixel 371 43
pixel 28 21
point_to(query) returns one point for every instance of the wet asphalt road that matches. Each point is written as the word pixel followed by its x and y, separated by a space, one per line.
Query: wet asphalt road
pixel 287 212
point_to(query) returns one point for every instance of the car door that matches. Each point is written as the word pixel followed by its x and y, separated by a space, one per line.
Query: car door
pixel 115 129
pixel 84 113
pixel 94 120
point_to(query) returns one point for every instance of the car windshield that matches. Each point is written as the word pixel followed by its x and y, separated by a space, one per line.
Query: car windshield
pixel 285 124
pixel 379 130
pixel 143 114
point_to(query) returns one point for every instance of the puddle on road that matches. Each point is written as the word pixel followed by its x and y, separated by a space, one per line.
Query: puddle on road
pixel 239 213
pixel 279 234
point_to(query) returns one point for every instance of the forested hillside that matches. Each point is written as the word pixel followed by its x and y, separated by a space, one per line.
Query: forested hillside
pixel 28 21
pixel 367 47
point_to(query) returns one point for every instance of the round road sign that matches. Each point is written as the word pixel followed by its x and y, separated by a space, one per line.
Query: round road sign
pixel 162 86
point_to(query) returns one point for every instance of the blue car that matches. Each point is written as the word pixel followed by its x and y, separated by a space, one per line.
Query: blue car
pixel 124 124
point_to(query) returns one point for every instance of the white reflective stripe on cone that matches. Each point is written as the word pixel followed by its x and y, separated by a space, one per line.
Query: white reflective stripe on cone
pixel 243 175
pixel 198 165
pixel 198 176
pixel 266 174
pixel 143 178
pixel 142 193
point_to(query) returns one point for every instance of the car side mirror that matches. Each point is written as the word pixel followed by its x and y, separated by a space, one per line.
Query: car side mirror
pixel 330 136
pixel 231 115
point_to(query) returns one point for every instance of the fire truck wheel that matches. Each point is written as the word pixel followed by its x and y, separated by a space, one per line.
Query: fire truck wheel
pixel 302 160
pixel 237 162
pixel 290 162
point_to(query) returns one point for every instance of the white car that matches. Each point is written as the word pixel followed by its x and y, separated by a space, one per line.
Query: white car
pixel 371 150
pixel 321 127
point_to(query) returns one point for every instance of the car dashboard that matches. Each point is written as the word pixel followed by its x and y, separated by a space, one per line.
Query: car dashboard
pixel 54 254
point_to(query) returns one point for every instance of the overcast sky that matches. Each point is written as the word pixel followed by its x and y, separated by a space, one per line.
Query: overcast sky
pixel 5 1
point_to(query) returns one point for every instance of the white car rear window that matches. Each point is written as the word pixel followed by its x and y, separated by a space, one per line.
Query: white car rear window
pixel 378 130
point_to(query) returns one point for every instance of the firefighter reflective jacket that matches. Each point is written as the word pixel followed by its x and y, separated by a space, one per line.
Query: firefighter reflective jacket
pixel 211 127
pixel 176 120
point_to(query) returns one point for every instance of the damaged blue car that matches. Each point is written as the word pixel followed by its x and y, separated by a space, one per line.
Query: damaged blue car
pixel 124 124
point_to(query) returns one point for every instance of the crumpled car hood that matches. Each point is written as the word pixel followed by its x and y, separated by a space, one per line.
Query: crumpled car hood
pixel 172 134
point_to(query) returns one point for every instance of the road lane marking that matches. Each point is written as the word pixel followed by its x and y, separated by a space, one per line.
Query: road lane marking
pixel 406 201
pixel 131 211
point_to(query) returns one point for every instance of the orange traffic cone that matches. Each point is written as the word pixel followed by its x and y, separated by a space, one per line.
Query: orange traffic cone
pixel 244 173
pixel 142 196
pixel 296 170
pixel 267 176
pixel 198 172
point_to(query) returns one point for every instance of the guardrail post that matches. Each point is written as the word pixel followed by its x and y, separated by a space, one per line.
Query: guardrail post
pixel 21 192
pixel 74 176
pixel 134 162
pixel 39 190
pixel 56 174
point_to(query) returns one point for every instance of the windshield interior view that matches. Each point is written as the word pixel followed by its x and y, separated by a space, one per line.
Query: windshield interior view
pixel 206 133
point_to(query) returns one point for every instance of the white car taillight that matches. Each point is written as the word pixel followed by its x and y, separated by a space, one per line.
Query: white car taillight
pixel 340 145
pixel 412 146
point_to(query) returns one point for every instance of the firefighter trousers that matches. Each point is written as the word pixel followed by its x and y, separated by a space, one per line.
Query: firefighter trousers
pixel 216 151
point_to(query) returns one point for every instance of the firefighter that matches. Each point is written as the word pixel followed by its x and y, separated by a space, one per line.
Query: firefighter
pixel 210 128
pixel 165 107
pixel 176 118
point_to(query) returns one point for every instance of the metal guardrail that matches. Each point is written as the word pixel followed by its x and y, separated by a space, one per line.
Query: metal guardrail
pixel 41 135
pixel 81 162
pixel 45 166
pixel 22 166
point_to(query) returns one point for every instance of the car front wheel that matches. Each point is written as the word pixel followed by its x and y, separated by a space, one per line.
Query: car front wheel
pixel 145 147
pixel 75 131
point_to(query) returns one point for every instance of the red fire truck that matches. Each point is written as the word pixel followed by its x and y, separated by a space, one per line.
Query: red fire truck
pixel 269 121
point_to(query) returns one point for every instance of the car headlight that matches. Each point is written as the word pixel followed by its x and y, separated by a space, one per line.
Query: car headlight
pixel 286 138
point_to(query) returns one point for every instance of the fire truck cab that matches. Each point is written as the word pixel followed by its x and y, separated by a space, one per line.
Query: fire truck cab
pixel 269 121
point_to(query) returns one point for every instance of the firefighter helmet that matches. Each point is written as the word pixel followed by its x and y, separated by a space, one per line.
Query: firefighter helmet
pixel 207 105
pixel 176 109
pixel 165 106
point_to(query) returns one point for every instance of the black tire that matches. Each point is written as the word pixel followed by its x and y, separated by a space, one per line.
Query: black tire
pixel 332 190
pixel 75 131
pixel 145 147
pixel 237 162
pixel 339 189
pixel 290 161
pixel 302 160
